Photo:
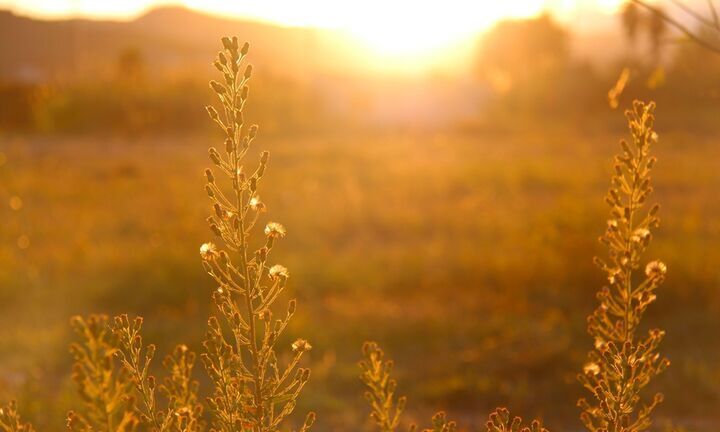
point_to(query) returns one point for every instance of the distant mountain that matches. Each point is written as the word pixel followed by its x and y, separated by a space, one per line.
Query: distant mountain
pixel 180 40
pixel 170 37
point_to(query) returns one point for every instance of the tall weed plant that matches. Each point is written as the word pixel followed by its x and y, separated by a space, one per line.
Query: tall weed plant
pixel 256 381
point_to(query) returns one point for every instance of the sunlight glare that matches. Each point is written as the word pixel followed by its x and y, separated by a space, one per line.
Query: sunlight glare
pixel 396 31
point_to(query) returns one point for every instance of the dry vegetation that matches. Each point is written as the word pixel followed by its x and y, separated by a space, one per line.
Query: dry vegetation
pixel 404 264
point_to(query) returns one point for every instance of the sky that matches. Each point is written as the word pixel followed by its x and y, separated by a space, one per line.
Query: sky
pixel 389 27
pixel 322 13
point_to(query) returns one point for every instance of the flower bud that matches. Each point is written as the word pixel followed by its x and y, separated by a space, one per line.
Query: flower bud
pixel 214 156
pixel 212 112
pixel 217 87
pixel 227 44
pixel 229 145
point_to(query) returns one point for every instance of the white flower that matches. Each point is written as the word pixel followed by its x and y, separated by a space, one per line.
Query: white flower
pixel 655 269
pixel 257 205
pixel 279 272
pixel 613 275
pixel 275 230
pixel 599 343
pixel 208 251
pixel 591 368
pixel 640 234
pixel 301 345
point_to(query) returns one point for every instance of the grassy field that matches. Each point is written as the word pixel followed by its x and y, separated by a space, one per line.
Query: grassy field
pixel 468 255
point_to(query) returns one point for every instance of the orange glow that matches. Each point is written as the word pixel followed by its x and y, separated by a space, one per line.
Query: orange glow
pixel 400 32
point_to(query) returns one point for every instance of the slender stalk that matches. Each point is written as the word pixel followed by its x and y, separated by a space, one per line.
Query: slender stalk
pixel 620 366
pixel 246 396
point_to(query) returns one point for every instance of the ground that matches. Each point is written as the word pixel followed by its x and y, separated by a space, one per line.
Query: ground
pixel 468 256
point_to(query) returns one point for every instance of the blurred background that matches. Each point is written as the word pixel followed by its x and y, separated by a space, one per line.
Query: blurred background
pixel 440 168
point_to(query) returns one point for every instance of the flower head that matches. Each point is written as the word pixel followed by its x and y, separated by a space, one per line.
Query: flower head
pixel 257 205
pixel 613 275
pixel 591 368
pixel 655 269
pixel 208 251
pixel 640 234
pixel 599 343
pixel 275 230
pixel 301 345
pixel 279 272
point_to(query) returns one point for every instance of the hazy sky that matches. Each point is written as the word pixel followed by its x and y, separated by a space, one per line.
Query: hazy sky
pixel 335 13
pixel 391 27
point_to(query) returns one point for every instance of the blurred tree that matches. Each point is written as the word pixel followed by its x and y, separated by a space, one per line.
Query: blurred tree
pixel 657 27
pixel 130 65
pixel 631 22
pixel 519 52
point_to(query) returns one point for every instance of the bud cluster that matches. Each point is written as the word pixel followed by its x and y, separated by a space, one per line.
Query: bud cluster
pixel 623 362
pixel 253 391
pixel 386 409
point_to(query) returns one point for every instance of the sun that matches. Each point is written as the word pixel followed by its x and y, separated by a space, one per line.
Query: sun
pixel 411 29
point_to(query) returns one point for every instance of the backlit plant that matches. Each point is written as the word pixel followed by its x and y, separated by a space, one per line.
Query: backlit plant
pixel 255 386
pixel 253 390
pixel 624 361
